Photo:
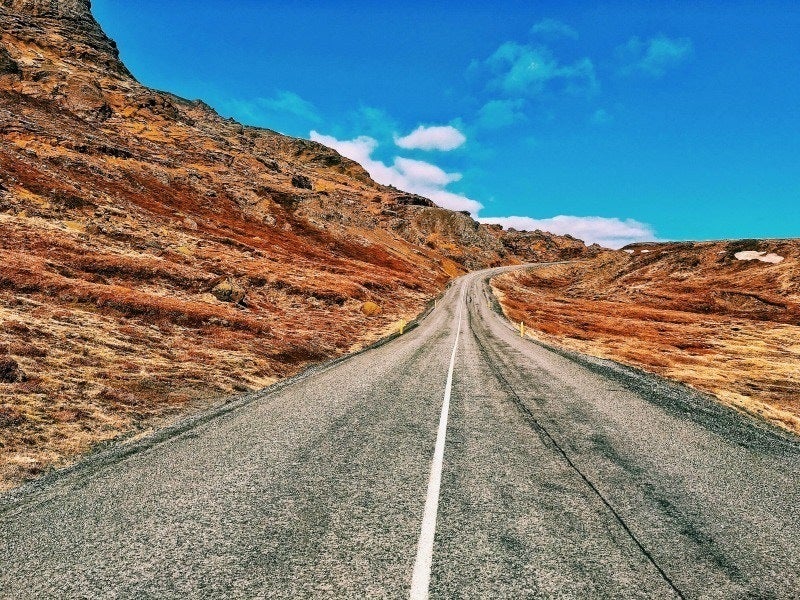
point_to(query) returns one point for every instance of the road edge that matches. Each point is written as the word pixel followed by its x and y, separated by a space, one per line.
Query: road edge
pixel 120 448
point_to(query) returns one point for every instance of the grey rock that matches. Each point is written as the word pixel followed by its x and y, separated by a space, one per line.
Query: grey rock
pixel 10 371
pixel 302 182
pixel 8 65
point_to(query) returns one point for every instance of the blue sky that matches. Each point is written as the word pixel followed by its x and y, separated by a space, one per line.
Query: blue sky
pixel 612 121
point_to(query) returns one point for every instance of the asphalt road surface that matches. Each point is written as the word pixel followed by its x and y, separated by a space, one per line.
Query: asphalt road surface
pixel 478 463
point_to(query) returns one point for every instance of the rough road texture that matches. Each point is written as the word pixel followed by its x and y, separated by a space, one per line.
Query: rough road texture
pixel 564 477
pixel 155 257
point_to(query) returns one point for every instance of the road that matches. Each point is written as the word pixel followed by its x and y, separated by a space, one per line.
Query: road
pixel 558 477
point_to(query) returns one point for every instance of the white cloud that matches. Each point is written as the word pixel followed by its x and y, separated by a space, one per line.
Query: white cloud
pixel 425 173
pixel 415 176
pixel 520 70
pixel 654 56
pixel 608 232
pixel 440 137
pixel 426 179
pixel 551 28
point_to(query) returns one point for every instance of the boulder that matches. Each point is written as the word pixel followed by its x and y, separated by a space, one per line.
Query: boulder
pixel 271 164
pixel 228 290
pixel 10 371
pixel 413 200
pixel 302 182
pixel 8 65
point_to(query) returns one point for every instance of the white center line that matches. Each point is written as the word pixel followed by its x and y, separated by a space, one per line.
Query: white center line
pixel 422 565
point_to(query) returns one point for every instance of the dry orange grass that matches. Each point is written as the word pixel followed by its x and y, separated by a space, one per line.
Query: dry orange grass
pixel 95 372
pixel 370 309
pixel 628 308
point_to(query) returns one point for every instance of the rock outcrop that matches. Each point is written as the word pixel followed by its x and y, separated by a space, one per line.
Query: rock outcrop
pixel 540 246
pixel 9 371
pixel 302 182
pixel 228 290
pixel 8 65
pixel 79 11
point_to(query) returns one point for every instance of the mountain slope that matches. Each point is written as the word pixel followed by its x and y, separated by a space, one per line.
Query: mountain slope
pixel 155 257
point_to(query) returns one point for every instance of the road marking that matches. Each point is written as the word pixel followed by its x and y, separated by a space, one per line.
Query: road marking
pixel 421 576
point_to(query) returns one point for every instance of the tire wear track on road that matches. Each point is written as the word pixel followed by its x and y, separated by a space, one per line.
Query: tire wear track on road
pixel 515 522
pixel 531 419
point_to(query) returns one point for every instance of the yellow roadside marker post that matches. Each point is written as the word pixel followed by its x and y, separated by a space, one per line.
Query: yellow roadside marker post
pixel 402 325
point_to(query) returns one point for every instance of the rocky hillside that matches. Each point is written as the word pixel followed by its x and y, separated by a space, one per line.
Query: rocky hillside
pixel 721 316
pixel 155 257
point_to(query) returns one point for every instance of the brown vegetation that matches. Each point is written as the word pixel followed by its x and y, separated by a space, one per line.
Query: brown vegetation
pixel 688 311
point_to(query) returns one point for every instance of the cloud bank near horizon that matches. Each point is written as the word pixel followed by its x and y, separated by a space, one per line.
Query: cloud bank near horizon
pixel 429 180
pixel 608 232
